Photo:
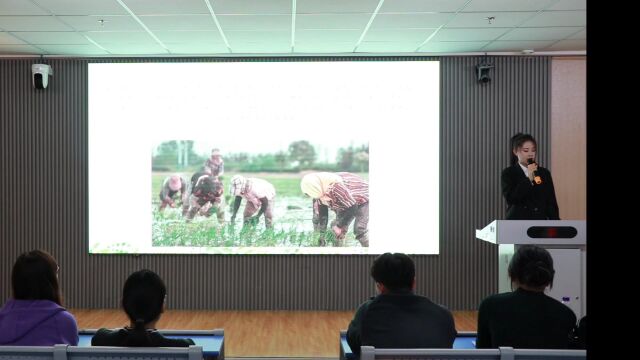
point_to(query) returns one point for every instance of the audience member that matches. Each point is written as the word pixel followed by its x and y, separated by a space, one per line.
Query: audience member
pixel 526 317
pixel 396 317
pixel 35 316
pixel 143 299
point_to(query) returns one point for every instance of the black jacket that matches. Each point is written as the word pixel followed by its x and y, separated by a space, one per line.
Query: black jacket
pixel 401 320
pixel 527 201
pixel 524 319
pixel 121 337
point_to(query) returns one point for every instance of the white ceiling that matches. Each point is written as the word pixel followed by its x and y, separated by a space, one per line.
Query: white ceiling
pixel 223 27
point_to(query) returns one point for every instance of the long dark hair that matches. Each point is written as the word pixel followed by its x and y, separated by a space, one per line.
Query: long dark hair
pixel 142 299
pixel 35 277
pixel 532 265
pixel 517 141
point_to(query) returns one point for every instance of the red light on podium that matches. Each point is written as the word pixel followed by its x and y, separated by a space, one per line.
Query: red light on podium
pixel 552 232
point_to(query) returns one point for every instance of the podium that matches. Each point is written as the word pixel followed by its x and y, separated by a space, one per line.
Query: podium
pixel 566 242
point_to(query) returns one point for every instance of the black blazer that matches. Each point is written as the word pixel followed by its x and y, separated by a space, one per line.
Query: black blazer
pixel 527 201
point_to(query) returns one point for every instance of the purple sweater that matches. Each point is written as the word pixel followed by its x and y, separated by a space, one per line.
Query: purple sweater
pixel 36 323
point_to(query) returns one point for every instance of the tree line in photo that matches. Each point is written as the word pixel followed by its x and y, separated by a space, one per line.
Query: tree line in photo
pixel 301 155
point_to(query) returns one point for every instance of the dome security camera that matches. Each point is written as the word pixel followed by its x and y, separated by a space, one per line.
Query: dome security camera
pixel 482 72
pixel 40 75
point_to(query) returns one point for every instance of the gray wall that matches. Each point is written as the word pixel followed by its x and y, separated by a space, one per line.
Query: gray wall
pixel 43 198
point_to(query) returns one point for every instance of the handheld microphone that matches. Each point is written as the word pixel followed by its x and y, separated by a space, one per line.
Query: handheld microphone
pixel 536 178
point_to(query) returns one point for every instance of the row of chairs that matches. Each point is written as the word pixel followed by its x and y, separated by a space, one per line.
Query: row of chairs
pixel 195 352
pixel 503 353
pixel 67 352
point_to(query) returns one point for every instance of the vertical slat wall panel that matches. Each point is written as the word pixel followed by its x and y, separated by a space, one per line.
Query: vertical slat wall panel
pixel 43 196
pixel 477 123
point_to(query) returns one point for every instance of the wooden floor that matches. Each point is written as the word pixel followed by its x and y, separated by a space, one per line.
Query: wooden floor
pixel 258 333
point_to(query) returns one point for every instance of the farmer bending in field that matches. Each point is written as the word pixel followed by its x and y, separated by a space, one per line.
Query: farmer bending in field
pixel 345 193
pixel 170 187
pixel 214 165
pixel 206 197
pixel 260 194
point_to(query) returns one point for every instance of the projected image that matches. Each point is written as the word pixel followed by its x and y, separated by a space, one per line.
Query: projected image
pixel 273 157
pixel 248 199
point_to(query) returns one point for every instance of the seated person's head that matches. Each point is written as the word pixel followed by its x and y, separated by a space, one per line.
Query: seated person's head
pixel 393 272
pixel 35 277
pixel 531 268
pixel 143 299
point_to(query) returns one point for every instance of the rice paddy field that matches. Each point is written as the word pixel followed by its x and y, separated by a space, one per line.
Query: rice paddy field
pixel 291 218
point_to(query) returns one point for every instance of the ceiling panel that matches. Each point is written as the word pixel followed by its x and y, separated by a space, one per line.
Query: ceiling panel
pixel 407 21
pixel 469 34
pixel 111 23
pixel 255 22
pixel 324 47
pixel 73 49
pixel 517 45
pixel 82 7
pixel 20 7
pixel 507 5
pixel 568 45
pixel 335 6
pixel 258 36
pixel 569 5
pixel 404 35
pixel 332 21
pixel 580 35
pixel 179 22
pixel 136 49
pixel 479 20
pixel 186 37
pixel 453 46
pixel 558 18
pixel 549 33
pixel 122 37
pixel 327 36
pixel 44 37
pixel 166 7
pixel 202 48
pixel 225 7
pixel 381 46
pixel 265 25
pixel 19 50
pixel 32 23
pixel 395 6
pixel 261 48
pixel 7 39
